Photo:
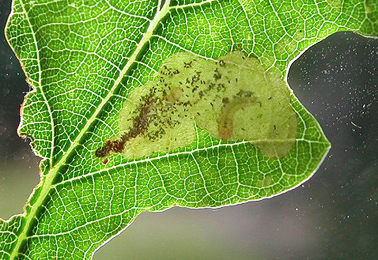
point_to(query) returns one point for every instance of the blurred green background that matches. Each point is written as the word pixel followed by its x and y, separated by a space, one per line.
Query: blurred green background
pixel 332 216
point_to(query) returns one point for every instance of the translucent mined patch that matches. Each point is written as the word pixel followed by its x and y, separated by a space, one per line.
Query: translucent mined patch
pixel 233 98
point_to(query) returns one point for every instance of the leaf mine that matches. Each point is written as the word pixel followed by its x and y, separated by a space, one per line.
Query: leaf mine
pixel 232 98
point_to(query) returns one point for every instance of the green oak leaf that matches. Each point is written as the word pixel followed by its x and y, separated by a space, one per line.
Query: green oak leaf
pixel 82 59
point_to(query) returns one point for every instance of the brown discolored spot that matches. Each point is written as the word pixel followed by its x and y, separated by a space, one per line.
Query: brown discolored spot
pixel 21 109
pixel 102 151
pixel 225 128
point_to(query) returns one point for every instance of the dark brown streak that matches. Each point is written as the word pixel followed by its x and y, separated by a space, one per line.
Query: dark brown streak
pixel 140 126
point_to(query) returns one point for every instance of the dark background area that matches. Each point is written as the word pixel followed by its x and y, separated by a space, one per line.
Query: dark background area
pixel 334 215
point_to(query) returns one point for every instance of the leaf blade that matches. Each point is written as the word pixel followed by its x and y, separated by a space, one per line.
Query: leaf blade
pixel 72 161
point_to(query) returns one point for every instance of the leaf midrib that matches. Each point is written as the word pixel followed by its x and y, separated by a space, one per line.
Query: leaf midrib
pixel 48 182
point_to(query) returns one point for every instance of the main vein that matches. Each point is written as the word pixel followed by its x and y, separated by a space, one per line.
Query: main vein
pixel 47 183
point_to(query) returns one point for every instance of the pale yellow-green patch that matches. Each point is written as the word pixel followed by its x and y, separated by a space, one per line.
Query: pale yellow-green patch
pixel 268 59
pixel 232 98
pixel 336 3
pixel 285 47
pixel 265 182
pixel 299 35
pixel 368 7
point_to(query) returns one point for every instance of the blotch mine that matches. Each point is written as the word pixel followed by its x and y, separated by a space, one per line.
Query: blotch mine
pixel 232 98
